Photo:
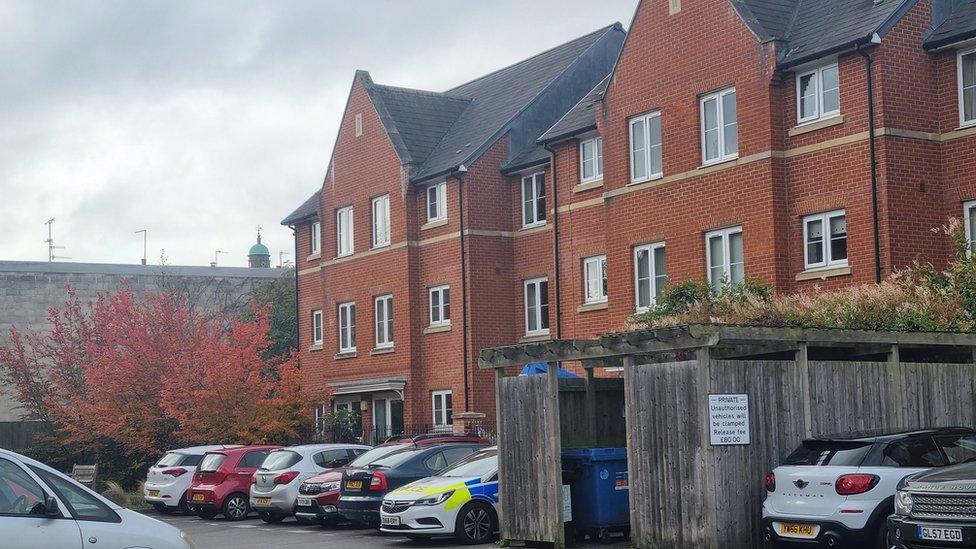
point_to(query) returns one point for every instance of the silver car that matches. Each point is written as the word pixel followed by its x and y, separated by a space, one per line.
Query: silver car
pixel 276 482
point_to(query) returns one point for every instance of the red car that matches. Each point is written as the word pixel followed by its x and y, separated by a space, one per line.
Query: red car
pixel 222 482
pixel 318 497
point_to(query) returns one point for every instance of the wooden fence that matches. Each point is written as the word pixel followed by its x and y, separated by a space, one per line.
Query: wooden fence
pixel 19 435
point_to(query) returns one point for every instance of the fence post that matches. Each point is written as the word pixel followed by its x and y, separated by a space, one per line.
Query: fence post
pixel 554 441
pixel 704 358
pixel 803 366
pixel 591 434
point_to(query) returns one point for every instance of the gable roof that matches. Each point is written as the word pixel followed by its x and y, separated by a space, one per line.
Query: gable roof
pixel 579 119
pixel 308 210
pixel 960 25
pixel 814 28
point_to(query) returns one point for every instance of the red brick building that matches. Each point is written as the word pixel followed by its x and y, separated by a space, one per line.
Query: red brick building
pixel 731 139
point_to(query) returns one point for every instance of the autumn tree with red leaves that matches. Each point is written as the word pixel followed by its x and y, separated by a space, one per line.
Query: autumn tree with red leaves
pixel 124 379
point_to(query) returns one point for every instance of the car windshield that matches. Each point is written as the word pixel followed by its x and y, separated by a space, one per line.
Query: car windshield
pixel 212 462
pixel 375 454
pixel 171 459
pixel 280 459
pixel 478 464
pixel 829 452
pixel 396 458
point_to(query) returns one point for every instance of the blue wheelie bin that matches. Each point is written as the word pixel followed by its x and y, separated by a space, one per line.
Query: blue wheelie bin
pixel 600 491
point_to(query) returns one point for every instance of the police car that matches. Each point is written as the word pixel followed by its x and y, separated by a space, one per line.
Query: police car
pixel 461 501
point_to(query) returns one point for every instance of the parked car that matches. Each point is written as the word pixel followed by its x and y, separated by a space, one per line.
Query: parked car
pixel 839 490
pixel 168 480
pixel 222 482
pixel 318 497
pixel 937 508
pixel 363 489
pixel 40 507
pixel 460 501
pixel 276 482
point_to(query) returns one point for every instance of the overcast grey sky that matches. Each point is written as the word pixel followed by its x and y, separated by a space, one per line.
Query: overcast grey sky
pixel 202 120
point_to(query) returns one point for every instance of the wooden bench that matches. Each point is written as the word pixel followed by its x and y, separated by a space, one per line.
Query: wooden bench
pixel 85 474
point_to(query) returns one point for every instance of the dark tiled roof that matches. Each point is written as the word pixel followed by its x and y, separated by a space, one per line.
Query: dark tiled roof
pixel 960 25
pixel 580 118
pixel 308 209
pixel 813 28
pixel 532 156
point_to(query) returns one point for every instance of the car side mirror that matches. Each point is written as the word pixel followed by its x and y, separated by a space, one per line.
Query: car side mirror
pixel 48 507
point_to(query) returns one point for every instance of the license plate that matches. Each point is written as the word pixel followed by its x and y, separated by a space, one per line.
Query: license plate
pixel 198 497
pixel 939 534
pixel 793 530
pixel 354 485
pixel 390 521
pixel 304 502
pixel 154 493
pixel 263 502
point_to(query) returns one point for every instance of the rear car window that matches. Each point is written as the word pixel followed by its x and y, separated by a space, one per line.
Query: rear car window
pixel 212 462
pixel 254 459
pixel 191 460
pixel 958 448
pixel 279 460
pixel 171 459
pixel 375 454
pixel 829 452
pixel 921 452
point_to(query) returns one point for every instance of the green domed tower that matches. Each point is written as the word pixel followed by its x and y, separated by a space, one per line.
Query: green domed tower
pixel 259 256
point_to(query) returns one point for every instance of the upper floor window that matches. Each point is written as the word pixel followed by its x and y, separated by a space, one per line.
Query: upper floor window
pixel 650 274
pixel 645 147
pixel 381 221
pixel 817 94
pixel 591 159
pixel 825 240
pixel 969 215
pixel 440 305
pixel 437 202
pixel 595 279
pixel 719 127
pixel 384 321
pixel 967 87
pixel 316 237
pixel 344 231
pixel 534 200
pixel 537 306
pixel 726 264
pixel 317 327
pixel 347 327
pixel 359 125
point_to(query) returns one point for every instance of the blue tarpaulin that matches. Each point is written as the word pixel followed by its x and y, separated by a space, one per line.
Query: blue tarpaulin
pixel 537 368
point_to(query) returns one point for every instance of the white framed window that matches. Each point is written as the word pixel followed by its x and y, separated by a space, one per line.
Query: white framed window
pixel 440 305
pixel 966 66
pixel 437 202
pixel 595 279
pixel 591 159
pixel 344 232
pixel 719 127
pixel 383 310
pixel 442 406
pixel 317 327
pixel 534 200
pixel 825 240
pixel 723 250
pixel 650 274
pixel 969 217
pixel 381 221
pixel 347 327
pixel 359 125
pixel 646 161
pixel 536 306
pixel 316 238
pixel 817 94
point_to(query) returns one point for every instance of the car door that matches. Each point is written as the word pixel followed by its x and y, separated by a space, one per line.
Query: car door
pixel 244 470
pixel 23 524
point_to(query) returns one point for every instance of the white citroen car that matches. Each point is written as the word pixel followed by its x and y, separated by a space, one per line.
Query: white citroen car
pixel 41 508
pixel 274 494
pixel 461 501
pixel 168 480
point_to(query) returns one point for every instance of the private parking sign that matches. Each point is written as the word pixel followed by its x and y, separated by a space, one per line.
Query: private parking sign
pixel 728 419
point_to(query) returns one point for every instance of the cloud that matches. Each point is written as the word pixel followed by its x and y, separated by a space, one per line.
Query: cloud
pixel 201 120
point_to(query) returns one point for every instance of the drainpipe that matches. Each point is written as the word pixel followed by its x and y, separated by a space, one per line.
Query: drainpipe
pixel 555 237
pixel 298 309
pixel 872 140
pixel 459 172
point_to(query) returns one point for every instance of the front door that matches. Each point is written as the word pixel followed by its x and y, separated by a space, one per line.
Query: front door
pixel 381 419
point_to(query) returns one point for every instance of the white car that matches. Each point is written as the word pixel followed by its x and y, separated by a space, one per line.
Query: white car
pixel 461 501
pixel 168 480
pixel 838 491
pixel 276 483
pixel 41 508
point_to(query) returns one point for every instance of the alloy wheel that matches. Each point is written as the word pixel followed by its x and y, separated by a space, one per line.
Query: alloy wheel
pixel 477 524
pixel 236 508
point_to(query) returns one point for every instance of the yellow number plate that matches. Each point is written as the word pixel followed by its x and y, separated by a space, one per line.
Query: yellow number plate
pixel 262 501
pixel 792 530
pixel 154 493
pixel 198 497
pixel 354 485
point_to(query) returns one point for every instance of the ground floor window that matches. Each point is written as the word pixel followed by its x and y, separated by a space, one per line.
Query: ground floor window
pixel 969 214
pixel 825 240
pixel 650 274
pixel 723 250
pixel 442 407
